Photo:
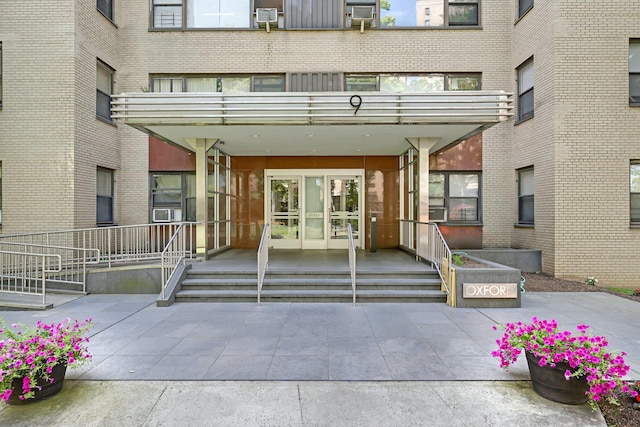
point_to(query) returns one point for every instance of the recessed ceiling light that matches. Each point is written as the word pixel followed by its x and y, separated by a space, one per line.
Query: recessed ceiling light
pixel 310 135
pixel 367 135
pixel 255 135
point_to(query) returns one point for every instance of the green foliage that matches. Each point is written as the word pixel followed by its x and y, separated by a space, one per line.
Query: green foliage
pixel 456 257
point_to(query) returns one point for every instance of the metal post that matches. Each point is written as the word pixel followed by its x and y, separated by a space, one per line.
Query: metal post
pixel 374 233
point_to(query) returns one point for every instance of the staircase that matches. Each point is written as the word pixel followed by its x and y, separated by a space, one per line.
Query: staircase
pixel 310 285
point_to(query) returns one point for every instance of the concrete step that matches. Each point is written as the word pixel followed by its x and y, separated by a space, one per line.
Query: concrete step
pixel 217 295
pixel 417 285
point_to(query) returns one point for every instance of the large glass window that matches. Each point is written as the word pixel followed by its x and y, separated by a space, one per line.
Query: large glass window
pixel 104 89
pixel 175 191
pixel 201 14
pixel 267 83
pixel 525 90
pixel 433 82
pixel 431 13
pixel 524 6
pixel 106 8
pixel 403 83
pixel 104 193
pixel 525 196
pixel 458 192
pixel 634 72
pixel 634 173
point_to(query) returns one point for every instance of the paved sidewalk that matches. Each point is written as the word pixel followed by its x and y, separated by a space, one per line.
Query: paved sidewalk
pixel 312 364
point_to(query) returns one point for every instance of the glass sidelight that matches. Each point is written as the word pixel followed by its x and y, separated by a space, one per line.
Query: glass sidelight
pixel 344 208
pixel 284 208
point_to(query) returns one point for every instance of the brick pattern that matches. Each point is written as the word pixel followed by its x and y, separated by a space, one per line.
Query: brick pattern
pixel 579 142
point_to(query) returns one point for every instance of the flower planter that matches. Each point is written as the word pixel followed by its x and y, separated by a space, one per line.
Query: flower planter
pixel 550 382
pixel 44 390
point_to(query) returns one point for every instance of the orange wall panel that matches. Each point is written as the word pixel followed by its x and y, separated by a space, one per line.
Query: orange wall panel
pixel 166 157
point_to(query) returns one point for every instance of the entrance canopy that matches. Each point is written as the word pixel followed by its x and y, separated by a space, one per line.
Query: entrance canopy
pixel 313 124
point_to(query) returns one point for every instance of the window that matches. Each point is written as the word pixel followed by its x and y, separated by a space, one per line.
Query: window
pixel 440 13
pixel 201 14
pixel 412 83
pixel 524 6
pixel 525 196
pixel 634 173
pixel 525 90
pixel 176 191
pixel 634 72
pixel 266 83
pixel 104 193
pixel 459 192
pixel 355 83
pixel 104 89
pixel 106 8
pixel 0 74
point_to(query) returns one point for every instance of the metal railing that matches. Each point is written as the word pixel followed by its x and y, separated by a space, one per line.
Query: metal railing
pixel 352 262
pixel 428 243
pixel 72 266
pixel 26 273
pixel 116 244
pixel 175 252
pixel 263 258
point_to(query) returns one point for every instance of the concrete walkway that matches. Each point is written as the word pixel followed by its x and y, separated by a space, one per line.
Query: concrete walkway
pixel 312 364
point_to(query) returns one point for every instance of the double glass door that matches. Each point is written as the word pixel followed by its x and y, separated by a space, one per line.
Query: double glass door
pixel 311 209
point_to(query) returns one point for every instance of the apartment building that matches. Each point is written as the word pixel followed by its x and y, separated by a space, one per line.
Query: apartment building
pixel 512 123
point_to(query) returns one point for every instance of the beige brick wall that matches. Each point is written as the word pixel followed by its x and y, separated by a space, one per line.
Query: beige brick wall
pixel 51 142
pixel 582 138
pixel 36 121
pixel 580 141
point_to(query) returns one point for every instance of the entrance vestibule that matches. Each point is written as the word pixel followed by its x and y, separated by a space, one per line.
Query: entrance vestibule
pixel 311 208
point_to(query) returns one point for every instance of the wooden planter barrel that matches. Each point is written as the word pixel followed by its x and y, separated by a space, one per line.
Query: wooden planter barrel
pixel 550 382
pixel 44 388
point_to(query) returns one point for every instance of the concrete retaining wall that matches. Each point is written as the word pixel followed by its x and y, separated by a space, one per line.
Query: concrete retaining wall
pixel 493 274
pixel 125 280
pixel 526 260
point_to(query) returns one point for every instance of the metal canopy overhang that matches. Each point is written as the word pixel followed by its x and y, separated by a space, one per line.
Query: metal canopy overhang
pixel 313 124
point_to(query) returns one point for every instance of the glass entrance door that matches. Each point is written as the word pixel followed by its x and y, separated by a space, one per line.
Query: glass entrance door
pixel 284 212
pixel 310 209
pixel 344 199
pixel 314 236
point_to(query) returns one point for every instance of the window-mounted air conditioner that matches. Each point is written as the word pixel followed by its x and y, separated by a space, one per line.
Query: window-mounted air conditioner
pixel 163 215
pixel 437 214
pixel 362 13
pixel 267 17
pixel 362 16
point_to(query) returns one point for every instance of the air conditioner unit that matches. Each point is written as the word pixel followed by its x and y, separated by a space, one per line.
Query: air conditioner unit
pixel 437 214
pixel 362 16
pixel 162 215
pixel 267 17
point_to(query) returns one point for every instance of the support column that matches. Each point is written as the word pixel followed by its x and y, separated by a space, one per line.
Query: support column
pixel 424 147
pixel 201 146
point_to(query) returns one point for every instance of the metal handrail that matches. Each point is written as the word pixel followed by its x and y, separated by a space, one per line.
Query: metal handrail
pixel 116 244
pixel 20 272
pixel 175 252
pixel 263 258
pixel 352 261
pixel 73 261
pixel 428 243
